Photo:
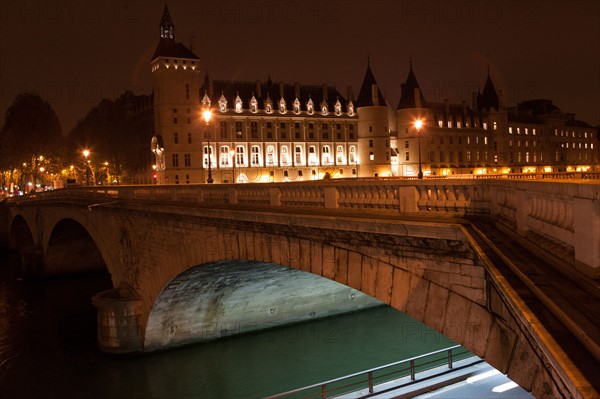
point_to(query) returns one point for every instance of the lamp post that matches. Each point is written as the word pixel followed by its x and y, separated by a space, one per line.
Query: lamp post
pixel 418 125
pixel 207 114
pixel 86 154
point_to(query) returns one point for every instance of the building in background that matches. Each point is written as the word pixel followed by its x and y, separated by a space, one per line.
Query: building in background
pixel 266 131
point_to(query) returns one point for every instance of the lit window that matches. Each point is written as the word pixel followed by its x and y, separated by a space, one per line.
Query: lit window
pixel 371 156
pixel 222 103
pixel 352 154
pixel 282 104
pixel 284 155
pixel 270 155
pixel 225 155
pixel 440 123
pixel 312 156
pixel 298 159
pixel 340 154
pixel 338 107
pixel 256 159
pixel 253 104
pixel 238 104
pixel 296 106
pixel 239 155
pixel 326 156
pixel 510 129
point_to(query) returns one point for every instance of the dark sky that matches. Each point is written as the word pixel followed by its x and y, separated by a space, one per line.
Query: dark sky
pixel 76 53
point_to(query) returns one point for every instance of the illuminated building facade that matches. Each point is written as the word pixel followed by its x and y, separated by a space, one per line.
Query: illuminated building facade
pixel 265 131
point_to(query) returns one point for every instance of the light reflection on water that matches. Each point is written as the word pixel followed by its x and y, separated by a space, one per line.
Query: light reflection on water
pixel 48 349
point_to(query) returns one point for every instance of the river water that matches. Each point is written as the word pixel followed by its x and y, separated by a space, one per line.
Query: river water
pixel 48 348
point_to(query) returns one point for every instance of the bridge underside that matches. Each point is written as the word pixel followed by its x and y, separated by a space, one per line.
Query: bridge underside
pixel 227 298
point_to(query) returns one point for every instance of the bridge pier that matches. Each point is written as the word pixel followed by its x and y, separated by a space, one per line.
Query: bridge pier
pixel 32 261
pixel 119 321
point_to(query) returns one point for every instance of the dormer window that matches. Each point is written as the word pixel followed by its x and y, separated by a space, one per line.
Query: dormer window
pixel 282 106
pixel 268 104
pixel 338 108
pixel 350 108
pixel 310 106
pixel 238 104
pixel 253 104
pixel 324 109
pixel 206 101
pixel 296 106
pixel 222 103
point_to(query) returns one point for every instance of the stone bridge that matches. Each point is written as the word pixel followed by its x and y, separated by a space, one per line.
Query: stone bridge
pixel 197 262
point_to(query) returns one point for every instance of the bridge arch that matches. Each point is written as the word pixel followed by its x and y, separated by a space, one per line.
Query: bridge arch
pixel 20 234
pixel 225 298
pixel 71 249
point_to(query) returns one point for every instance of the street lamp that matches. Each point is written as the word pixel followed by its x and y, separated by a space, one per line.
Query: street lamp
pixel 418 125
pixel 86 154
pixel 207 114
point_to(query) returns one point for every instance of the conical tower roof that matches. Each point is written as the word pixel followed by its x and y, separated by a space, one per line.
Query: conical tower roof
pixel 408 97
pixel 489 97
pixel 365 96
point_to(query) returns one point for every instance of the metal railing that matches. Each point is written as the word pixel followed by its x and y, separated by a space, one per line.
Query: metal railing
pixel 369 379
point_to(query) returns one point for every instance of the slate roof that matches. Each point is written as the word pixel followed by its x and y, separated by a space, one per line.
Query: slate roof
pixel 407 98
pixel 247 89
pixel 365 96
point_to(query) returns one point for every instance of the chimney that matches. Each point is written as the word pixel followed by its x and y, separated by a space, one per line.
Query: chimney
pixel 258 89
pixel 417 97
pixel 281 87
pixel 374 96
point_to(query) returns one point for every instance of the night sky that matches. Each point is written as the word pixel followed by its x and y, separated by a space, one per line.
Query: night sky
pixel 75 53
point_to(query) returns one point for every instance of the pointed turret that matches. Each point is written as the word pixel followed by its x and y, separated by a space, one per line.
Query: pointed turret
pixel 489 97
pixel 167 28
pixel 167 47
pixel 369 94
pixel 411 96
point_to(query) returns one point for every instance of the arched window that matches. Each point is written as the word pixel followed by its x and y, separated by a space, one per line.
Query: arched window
pixel 271 155
pixel 326 155
pixel 298 157
pixel 205 157
pixel 352 154
pixel 312 156
pixel 256 158
pixel 285 160
pixel 224 155
pixel 340 155
pixel 240 159
pixel 350 108
pixel 296 106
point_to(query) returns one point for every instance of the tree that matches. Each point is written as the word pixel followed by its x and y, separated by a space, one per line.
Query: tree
pixel 116 133
pixel 30 136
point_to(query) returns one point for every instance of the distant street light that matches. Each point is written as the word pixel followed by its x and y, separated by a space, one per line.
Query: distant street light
pixel 86 154
pixel 207 114
pixel 418 125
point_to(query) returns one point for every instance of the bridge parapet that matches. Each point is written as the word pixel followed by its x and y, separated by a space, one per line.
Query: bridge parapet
pixel 562 216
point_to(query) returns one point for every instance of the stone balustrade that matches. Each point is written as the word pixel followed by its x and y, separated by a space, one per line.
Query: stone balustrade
pixel 565 213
